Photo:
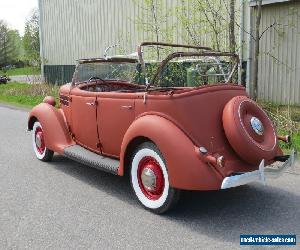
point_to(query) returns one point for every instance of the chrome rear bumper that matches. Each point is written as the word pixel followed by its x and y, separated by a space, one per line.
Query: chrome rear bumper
pixel 259 175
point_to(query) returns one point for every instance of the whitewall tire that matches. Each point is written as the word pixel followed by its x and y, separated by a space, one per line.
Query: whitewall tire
pixel 150 180
pixel 38 143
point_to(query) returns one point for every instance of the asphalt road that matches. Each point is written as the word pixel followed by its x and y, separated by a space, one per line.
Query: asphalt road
pixel 65 205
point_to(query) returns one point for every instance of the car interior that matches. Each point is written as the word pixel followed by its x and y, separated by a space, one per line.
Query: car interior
pixel 100 85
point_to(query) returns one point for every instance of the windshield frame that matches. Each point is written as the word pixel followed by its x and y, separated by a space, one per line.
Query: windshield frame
pixel 189 54
pixel 112 60
pixel 198 51
pixel 166 60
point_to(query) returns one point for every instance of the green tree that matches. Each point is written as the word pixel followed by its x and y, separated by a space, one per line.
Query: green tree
pixel 31 41
pixel 204 19
pixel 154 22
pixel 17 45
pixel 9 45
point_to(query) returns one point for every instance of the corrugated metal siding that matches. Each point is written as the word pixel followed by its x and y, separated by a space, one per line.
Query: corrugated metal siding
pixel 58 74
pixel 74 29
pixel 279 65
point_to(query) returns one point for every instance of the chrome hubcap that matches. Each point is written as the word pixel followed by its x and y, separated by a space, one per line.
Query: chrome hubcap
pixel 38 140
pixel 257 125
pixel 148 179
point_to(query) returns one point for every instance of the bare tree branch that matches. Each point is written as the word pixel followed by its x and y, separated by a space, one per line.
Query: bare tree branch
pixel 156 28
pixel 279 61
pixel 236 23
pixel 266 29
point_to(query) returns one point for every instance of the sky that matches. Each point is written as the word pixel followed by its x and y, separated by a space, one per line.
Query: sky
pixel 15 12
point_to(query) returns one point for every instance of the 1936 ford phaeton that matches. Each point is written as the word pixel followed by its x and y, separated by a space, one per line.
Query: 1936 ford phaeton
pixel 185 134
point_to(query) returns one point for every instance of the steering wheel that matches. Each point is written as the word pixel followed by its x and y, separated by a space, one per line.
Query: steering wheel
pixel 96 78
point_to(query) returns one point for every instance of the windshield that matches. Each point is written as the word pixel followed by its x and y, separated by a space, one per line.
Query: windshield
pixel 191 72
pixel 169 69
pixel 106 71
pixel 186 68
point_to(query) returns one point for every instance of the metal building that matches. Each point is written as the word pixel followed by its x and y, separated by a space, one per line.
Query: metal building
pixel 74 29
pixel 279 60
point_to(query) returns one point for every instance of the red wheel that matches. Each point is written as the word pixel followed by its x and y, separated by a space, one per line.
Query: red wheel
pixel 150 178
pixel 249 130
pixel 38 143
pixel 150 181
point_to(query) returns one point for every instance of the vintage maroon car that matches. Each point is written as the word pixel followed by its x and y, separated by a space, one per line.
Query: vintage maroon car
pixel 176 132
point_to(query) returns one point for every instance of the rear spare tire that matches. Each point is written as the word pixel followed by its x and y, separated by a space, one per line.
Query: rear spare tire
pixel 249 130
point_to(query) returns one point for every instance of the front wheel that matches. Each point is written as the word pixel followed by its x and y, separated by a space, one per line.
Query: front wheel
pixel 38 143
pixel 150 181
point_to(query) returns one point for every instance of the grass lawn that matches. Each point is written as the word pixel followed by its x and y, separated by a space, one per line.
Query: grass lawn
pixel 287 122
pixel 27 95
pixel 22 71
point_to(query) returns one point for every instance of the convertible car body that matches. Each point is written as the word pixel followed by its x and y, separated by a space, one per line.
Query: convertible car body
pixel 197 136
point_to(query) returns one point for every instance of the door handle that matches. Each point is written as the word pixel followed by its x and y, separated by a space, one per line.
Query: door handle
pixel 127 106
pixel 91 103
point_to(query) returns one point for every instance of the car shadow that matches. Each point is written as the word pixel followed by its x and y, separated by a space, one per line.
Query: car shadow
pixel 224 214
pixel 250 209
pixel 106 182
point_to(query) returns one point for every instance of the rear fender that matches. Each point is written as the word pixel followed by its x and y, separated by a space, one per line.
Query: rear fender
pixel 186 170
pixel 56 134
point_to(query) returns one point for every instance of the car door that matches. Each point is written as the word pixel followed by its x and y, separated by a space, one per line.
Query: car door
pixel 114 116
pixel 83 118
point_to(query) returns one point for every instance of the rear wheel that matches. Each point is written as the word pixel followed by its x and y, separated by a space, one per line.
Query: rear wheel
pixel 150 181
pixel 38 143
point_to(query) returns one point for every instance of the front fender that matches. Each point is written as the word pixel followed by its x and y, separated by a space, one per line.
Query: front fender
pixel 186 170
pixel 55 130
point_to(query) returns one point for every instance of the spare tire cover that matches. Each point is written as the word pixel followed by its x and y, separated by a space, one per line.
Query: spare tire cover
pixel 249 130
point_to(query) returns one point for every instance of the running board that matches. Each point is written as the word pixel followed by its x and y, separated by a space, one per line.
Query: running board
pixel 86 157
